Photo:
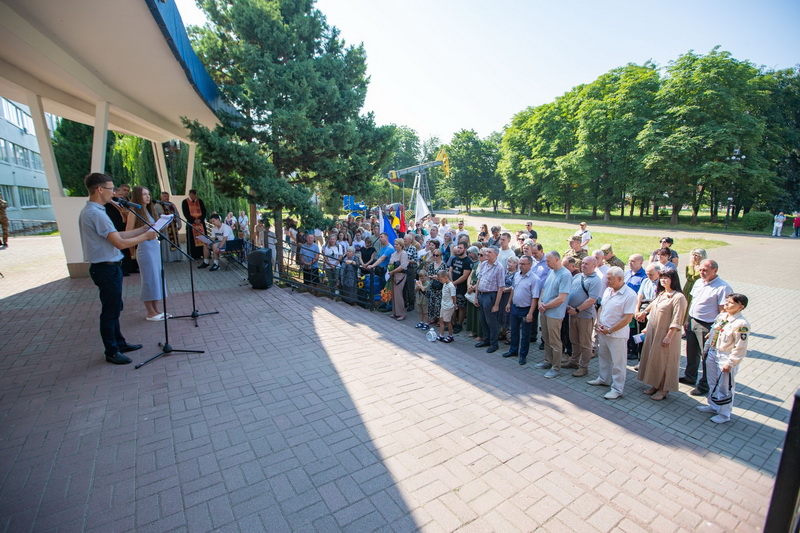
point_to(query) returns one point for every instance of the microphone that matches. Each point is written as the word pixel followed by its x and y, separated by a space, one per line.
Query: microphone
pixel 125 203
pixel 159 202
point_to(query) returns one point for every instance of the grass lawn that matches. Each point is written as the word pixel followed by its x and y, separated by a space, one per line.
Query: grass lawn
pixel 684 219
pixel 624 245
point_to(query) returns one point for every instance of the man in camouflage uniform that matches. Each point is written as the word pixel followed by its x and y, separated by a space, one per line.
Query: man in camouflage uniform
pixel 4 220
pixel 576 251
pixel 609 259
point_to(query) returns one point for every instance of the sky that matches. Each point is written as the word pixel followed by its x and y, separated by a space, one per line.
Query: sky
pixel 439 66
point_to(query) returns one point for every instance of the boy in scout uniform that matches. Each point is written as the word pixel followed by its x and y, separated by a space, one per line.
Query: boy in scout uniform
pixel 725 346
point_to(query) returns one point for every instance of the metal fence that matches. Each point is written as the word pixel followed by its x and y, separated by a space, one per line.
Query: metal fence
pixel 365 289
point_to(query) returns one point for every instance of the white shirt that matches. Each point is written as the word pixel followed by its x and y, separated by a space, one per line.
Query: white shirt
pixel 616 304
pixel 503 255
pixel 221 232
pixel 585 236
pixel 461 233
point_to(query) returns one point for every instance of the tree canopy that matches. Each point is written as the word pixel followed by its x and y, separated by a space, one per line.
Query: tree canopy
pixel 297 90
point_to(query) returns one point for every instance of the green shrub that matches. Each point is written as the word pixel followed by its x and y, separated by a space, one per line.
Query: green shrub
pixel 757 221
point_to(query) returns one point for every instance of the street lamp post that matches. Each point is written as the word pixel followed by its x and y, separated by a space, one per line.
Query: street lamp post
pixel 737 157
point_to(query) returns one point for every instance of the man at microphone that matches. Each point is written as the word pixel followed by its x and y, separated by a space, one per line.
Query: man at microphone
pixel 101 243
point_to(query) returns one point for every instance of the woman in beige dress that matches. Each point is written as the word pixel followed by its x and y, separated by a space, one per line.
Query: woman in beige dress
pixel 661 352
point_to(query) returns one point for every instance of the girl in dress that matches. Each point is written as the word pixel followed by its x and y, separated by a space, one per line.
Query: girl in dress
pixel 148 254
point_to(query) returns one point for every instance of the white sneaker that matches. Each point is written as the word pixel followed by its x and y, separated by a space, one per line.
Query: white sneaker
pixel 552 373
pixel 720 419
pixel 597 381
pixel 543 364
pixel 612 395
pixel 706 409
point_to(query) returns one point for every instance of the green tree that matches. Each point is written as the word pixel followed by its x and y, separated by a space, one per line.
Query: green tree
pixel 514 151
pixel 72 145
pixel 613 110
pixel 297 89
pixel 471 168
pixel 496 190
pixel 705 110
pixel 408 151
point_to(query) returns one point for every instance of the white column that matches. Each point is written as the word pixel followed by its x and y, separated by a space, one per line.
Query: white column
pixel 161 167
pixel 65 208
pixel 45 146
pixel 190 168
pixel 100 138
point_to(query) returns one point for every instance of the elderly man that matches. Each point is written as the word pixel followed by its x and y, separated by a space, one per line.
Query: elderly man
pixel 708 298
pixel 411 271
pixel 583 294
pixel 609 258
pixel 618 307
pixel 552 307
pixel 540 270
pixel 491 278
pixel 525 291
pixel 460 270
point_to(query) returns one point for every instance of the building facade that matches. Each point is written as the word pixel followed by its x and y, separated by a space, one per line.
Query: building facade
pixel 22 177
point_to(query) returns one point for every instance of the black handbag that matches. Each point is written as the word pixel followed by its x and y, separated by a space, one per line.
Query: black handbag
pixel 727 399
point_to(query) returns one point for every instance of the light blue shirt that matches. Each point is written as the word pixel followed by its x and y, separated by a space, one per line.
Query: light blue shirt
pixel 95 227
pixel 557 282
pixel 540 269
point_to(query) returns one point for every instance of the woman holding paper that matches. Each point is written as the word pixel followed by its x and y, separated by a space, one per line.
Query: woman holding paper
pixel 148 255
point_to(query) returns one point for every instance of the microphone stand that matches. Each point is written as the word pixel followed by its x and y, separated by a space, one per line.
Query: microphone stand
pixel 166 347
pixel 195 314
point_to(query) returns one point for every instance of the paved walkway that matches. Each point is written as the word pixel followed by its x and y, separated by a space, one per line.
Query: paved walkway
pixel 306 414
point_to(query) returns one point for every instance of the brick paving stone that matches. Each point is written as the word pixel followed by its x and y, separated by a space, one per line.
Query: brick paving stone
pixel 287 424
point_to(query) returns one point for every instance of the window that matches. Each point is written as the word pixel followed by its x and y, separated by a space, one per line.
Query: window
pixel 8 195
pixel 27 196
pixel 43 197
pixel 21 156
pixel 4 150
pixel 36 161
pixel 13 114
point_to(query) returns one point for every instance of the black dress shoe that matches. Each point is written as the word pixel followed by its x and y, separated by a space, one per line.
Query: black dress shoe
pixel 685 381
pixel 522 362
pixel 491 349
pixel 697 392
pixel 482 344
pixel 125 348
pixel 509 354
pixel 118 359
pixel 541 345
pixel 203 265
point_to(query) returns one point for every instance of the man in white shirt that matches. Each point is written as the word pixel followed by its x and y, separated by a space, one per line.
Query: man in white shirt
pixel 505 249
pixel 585 236
pixel 220 235
pixel 618 306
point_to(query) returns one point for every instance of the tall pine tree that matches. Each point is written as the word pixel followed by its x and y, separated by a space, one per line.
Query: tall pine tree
pixel 297 89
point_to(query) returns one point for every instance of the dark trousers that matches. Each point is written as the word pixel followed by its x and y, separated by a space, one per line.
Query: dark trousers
pixel 489 324
pixel 535 325
pixel 520 331
pixel 566 343
pixel 310 276
pixel 408 290
pixel 695 339
pixel 108 278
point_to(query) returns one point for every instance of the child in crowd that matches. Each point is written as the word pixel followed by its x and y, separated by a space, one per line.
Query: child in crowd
pixel 448 306
pixel 421 286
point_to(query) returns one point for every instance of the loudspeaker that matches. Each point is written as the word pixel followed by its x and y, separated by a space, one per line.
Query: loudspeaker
pixel 259 268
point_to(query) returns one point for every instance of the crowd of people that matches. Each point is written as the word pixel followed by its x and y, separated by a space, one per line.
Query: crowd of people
pixel 584 302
